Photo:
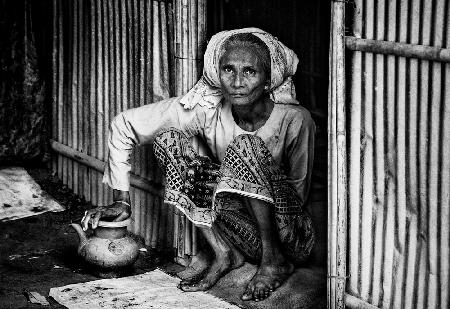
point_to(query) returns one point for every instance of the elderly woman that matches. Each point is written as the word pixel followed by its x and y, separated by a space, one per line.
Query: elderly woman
pixel 247 196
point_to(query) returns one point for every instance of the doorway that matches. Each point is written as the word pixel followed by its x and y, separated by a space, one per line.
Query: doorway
pixel 304 27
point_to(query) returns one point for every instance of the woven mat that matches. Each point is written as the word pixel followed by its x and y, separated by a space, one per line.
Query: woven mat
pixel 21 196
pixel 305 289
pixel 154 289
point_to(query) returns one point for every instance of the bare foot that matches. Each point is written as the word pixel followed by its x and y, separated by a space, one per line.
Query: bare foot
pixel 268 278
pixel 197 266
pixel 219 267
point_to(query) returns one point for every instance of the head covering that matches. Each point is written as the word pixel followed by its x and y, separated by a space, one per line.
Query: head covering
pixel 284 62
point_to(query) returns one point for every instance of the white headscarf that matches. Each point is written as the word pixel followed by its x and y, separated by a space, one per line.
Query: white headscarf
pixel 284 62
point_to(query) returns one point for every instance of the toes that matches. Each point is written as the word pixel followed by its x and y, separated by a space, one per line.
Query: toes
pixel 193 279
pixel 248 294
pixel 193 287
pixel 261 291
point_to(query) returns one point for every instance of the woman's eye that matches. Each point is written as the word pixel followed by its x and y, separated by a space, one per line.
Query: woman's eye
pixel 227 69
pixel 249 72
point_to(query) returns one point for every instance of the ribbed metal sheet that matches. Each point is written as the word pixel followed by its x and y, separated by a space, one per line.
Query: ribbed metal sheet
pixel 110 56
pixel 399 172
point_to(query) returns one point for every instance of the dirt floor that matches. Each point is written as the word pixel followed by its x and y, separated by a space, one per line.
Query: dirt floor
pixel 39 252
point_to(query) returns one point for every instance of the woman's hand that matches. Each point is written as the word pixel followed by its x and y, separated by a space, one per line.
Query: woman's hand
pixel 118 210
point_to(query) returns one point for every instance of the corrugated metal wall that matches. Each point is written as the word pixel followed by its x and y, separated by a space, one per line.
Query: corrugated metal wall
pixel 399 169
pixel 109 56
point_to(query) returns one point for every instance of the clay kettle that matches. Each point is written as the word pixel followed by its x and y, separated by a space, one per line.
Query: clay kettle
pixel 110 248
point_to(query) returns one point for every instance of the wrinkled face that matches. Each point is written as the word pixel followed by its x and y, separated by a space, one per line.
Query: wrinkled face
pixel 242 77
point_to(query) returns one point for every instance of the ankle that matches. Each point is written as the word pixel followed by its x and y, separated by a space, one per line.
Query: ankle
pixel 273 257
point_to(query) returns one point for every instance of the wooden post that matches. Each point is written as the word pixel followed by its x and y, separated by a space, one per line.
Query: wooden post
pixel 190 31
pixel 337 161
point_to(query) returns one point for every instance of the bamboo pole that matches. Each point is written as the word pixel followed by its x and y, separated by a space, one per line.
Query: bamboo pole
pixel 181 259
pixel 422 52
pixel 165 50
pixel 389 231
pixel 55 52
pixel 439 20
pixel 177 49
pixel 148 93
pixel 176 230
pixel 337 182
pixel 65 97
pixel 149 223
pixel 170 227
pixel 143 214
pixel 146 223
pixel 423 157
pixel 379 151
pixel 445 193
pixel 171 47
pixel 139 97
pixel 400 131
pixel 111 102
pixel 157 89
pixel 108 101
pixel 106 71
pixel 117 57
pixel 66 94
pixel 185 44
pixel 98 166
pixel 80 64
pixel 101 112
pixel 142 19
pixel 412 185
pixel 355 160
pixel 201 35
pixel 162 237
pixel 123 50
pixel 86 101
pixel 192 41
pixel 367 153
pixel 93 101
pixel 131 61
pixel 155 223
pixel 74 96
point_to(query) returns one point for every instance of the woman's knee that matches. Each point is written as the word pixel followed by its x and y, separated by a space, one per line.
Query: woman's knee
pixel 170 143
pixel 248 148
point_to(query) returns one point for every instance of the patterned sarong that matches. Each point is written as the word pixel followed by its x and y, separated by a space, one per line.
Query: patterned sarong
pixel 207 194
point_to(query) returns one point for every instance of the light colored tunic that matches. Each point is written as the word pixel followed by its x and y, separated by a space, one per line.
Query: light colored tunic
pixel 288 134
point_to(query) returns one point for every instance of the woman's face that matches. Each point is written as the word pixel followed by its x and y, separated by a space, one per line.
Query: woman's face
pixel 242 77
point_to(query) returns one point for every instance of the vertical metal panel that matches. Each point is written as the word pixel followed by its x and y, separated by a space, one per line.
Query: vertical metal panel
pixel 399 171
pixel 109 56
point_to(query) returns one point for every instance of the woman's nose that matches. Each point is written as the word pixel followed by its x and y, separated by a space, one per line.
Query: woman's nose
pixel 237 82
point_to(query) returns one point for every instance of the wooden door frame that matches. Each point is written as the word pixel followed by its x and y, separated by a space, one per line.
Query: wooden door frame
pixel 337 161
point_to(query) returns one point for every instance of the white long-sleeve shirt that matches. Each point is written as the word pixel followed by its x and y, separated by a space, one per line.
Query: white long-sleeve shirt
pixel 288 134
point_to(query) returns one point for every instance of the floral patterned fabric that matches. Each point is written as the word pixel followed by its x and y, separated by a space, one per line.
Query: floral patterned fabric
pixel 206 193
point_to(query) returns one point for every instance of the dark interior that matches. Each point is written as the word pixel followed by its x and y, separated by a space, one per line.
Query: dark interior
pixel 304 27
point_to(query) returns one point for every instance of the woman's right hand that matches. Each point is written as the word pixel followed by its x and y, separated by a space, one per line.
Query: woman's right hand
pixel 119 211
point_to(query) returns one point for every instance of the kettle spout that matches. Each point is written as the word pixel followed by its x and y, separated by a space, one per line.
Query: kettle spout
pixel 81 234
